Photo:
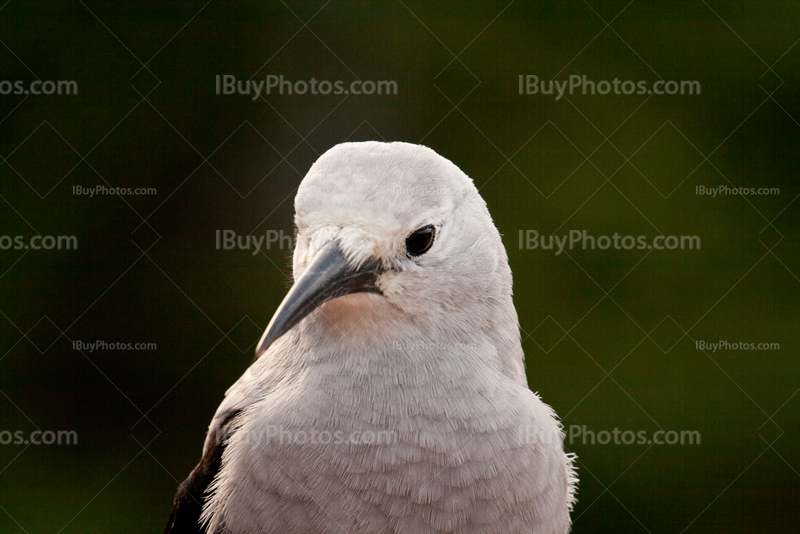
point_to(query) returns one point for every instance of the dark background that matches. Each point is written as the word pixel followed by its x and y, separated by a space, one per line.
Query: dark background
pixel 609 335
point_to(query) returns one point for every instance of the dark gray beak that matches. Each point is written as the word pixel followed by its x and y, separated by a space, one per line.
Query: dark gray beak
pixel 327 277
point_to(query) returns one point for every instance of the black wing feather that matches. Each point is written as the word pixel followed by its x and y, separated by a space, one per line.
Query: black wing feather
pixel 188 503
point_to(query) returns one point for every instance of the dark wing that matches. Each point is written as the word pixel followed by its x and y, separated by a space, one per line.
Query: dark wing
pixel 185 517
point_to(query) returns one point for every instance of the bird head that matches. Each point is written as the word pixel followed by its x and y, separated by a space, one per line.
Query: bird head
pixel 395 232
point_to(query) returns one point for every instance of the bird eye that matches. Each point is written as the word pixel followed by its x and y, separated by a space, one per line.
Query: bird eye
pixel 420 241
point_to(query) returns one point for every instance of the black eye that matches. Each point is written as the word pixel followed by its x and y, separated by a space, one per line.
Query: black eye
pixel 420 241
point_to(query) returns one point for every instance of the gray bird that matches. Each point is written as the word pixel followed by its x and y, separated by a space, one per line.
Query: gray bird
pixel 389 395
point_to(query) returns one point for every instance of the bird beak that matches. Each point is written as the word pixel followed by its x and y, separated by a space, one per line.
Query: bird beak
pixel 327 277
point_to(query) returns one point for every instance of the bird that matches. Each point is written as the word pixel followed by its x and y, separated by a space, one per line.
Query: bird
pixel 389 392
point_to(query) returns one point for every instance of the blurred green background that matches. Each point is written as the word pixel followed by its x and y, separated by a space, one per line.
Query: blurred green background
pixel 610 336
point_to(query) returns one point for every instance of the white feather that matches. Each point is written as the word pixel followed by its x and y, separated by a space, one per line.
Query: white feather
pixel 435 363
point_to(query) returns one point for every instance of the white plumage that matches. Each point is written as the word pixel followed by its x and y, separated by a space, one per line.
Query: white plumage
pixel 432 366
